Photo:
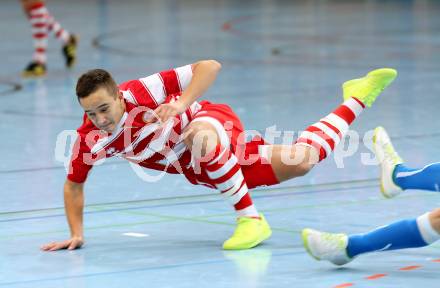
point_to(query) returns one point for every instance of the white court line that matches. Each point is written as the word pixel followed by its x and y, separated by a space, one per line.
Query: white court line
pixel 133 234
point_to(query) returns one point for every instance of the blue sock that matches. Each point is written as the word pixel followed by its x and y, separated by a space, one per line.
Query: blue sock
pixel 398 235
pixel 427 178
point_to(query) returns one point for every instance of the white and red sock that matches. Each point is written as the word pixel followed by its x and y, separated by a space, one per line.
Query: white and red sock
pixel 225 173
pixel 328 132
pixel 38 19
pixel 59 32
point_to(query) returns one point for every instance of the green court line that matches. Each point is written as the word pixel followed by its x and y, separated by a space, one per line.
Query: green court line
pixel 198 196
pixel 170 218
pixel 203 219
pixel 66 231
pixel 340 203
pixel 199 219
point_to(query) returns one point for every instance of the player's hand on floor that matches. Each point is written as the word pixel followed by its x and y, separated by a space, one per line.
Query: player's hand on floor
pixel 70 244
pixel 168 111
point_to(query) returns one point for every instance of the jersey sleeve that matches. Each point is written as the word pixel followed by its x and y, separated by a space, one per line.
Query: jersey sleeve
pixel 79 168
pixel 153 90
pixel 82 159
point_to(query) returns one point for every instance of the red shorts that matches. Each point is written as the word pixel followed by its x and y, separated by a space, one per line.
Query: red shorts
pixel 256 170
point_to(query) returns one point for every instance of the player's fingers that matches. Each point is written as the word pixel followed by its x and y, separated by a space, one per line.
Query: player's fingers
pixel 162 114
pixel 159 109
pixel 73 245
pixel 156 115
pixel 152 118
pixel 54 248
pixel 171 113
pixel 58 246
pixel 165 116
pixel 46 247
pixel 51 244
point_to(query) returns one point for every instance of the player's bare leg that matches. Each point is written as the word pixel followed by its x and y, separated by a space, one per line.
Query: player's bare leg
pixel 291 161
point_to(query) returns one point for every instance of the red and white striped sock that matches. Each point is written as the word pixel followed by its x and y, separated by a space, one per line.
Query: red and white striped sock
pixel 59 32
pixel 38 20
pixel 226 175
pixel 328 132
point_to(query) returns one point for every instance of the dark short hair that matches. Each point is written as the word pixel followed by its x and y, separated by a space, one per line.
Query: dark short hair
pixel 93 80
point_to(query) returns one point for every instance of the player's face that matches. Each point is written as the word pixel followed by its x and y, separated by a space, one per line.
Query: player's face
pixel 103 109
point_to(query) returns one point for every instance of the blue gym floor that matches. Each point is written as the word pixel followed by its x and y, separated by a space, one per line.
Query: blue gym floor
pixel 283 64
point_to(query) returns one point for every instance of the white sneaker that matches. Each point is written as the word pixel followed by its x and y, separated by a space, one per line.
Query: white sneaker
pixel 326 246
pixel 388 160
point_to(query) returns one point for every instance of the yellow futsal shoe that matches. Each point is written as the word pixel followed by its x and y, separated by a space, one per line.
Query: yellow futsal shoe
pixel 388 160
pixel 326 246
pixel 69 51
pixel 367 88
pixel 34 69
pixel 249 233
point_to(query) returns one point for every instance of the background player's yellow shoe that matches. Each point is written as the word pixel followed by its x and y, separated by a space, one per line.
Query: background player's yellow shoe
pixel 367 88
pixel 388 160
pixel 69 50
pixel 34 69
pixel 249 233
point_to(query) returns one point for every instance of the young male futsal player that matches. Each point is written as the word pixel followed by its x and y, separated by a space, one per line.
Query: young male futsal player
pixel 42 23
pixel 408 233
pixel 157 122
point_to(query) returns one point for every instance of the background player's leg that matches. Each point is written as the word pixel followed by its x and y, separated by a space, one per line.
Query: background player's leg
pixel 37 15
pixel 341 249
pixel 395 175
pixel 42 23
pixel 59 32
pixel 69 40
pixel 408 233
pixel 426 178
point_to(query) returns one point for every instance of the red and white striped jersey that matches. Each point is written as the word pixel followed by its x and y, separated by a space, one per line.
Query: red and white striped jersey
pixel 151 145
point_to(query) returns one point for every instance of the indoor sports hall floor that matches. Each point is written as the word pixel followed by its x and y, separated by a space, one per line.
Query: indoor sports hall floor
pixel 283 64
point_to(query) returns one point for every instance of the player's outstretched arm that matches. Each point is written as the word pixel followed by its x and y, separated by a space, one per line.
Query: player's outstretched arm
pixel 204 74
pixel 74 206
